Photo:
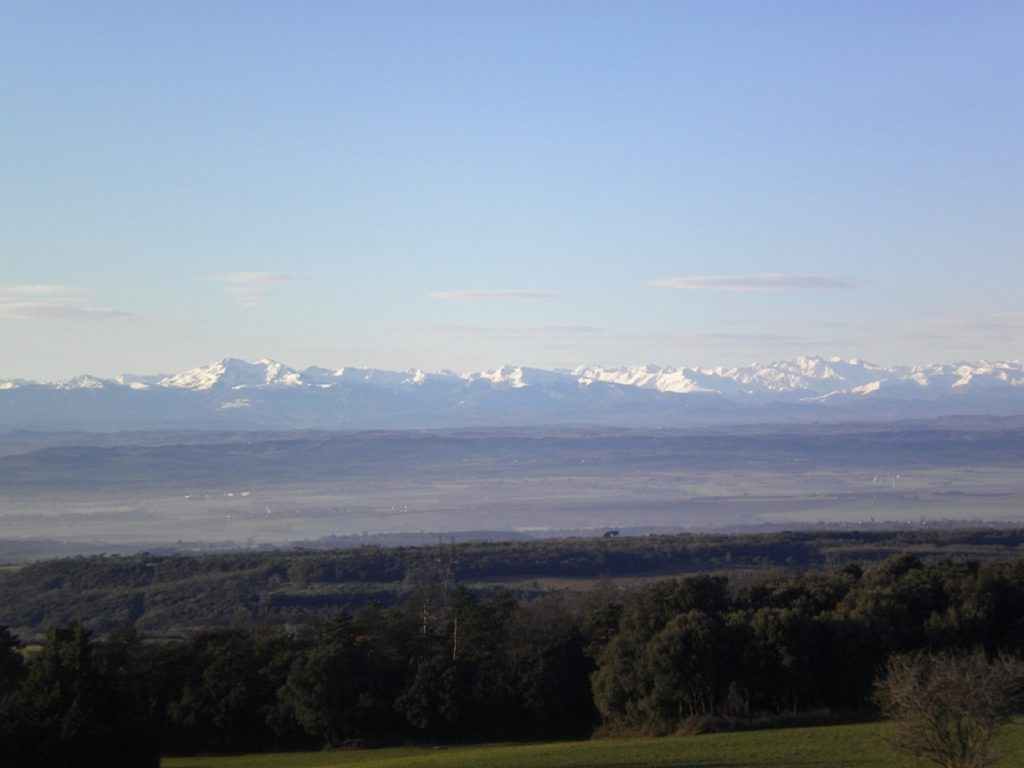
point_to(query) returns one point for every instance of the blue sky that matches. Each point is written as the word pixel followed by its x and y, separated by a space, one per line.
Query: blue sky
pixel 460 185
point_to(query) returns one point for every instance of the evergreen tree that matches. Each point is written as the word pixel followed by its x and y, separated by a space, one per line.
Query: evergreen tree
pixel 71 712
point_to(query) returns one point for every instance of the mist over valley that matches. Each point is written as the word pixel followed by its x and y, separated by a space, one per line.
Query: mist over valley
pixel 277 488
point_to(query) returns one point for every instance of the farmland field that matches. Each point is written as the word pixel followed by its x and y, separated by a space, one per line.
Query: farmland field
pixel 845 746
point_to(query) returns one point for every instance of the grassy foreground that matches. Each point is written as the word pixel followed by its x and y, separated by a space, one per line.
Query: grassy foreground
pixel 845 746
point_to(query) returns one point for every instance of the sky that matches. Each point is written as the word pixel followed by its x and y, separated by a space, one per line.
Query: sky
pixel 460 185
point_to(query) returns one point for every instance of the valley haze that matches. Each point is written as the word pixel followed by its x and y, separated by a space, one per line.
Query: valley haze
pixel 245 454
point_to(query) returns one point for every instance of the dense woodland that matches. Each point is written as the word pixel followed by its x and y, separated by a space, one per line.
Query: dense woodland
pixel 446 664
pixel 172 596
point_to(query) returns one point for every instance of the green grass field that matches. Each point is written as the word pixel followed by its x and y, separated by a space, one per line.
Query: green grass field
pixel 845 746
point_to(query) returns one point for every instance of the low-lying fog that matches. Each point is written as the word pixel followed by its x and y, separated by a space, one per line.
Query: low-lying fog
pixel 283 487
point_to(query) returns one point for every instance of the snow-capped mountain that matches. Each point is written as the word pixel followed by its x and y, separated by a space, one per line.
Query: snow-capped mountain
pixel 799 378
pixel 231 373
pixel 236 394
pixel 513 377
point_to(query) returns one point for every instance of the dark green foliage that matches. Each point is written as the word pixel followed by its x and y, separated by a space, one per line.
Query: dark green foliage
pixel 344 687
pixel 12 671
pixel 77 710
pixel 435 700
pixel 668 660
pixel 228 695
pixel 463 686
pixel 178 594
pixel 12 665
pixel 549 669
pixel 800 644
pixel 445 663
pixel 321 692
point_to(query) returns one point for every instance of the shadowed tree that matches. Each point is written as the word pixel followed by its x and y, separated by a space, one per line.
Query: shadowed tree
pixel 229 693
pixel 74 712
pixel 12 671
pixel 12 667
pixel 948 706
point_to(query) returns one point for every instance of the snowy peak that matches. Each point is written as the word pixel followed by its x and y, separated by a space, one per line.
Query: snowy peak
pixel 266 394
pixel 373 376
pixel 989 375
pixel 231 373
pixel 85 381
pixel 677 380
pixel 132 381
pixel 809 375
pixel 802 376
pixel 327 377
pixel 518 377
pixel 803 379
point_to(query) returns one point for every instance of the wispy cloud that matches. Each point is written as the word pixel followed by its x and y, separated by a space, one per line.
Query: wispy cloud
pixel 717 340
pixel 22 292
pixel 51 302
pixel 507 332
pixel 254 278
pixel 250 289
pixel 756 283
pixel 45 311
pixel 965 328
pixel 491 295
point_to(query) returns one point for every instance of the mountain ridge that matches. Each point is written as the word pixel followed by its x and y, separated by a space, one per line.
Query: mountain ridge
pixel 269 394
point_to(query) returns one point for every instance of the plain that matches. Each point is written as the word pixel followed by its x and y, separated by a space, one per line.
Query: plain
pixel 839 746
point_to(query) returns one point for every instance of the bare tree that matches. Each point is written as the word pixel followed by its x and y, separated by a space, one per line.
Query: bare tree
pixel 948 706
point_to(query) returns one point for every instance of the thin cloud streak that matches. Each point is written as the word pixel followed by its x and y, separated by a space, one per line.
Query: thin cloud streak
pixel 527 330
pixel 771 282
pixel 492 295
pixel 250 289
pixel 20 292
pixel 253 278
pixel 964 329
pixel 248 296
pixel 717 340
pixel 53 311
pixel 51 302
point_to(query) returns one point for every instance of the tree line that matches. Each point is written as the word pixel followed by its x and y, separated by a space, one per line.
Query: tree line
pixel 447 665
pixel 177 594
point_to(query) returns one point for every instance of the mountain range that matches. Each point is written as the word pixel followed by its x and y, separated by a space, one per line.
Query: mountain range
pixel 235 394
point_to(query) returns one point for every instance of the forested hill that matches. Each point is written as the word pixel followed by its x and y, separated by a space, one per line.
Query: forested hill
pixel 446 664
pixel 178 594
